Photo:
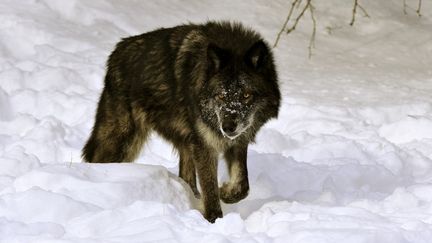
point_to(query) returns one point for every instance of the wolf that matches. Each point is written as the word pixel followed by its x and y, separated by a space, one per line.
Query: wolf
pixel 206 88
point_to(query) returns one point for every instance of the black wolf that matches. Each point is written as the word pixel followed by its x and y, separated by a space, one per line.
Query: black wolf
pixel 205 88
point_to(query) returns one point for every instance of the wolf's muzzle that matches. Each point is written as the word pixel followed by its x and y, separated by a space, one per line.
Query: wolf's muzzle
pixel 229 127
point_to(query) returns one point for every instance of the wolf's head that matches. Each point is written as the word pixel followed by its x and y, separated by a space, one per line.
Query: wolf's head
pixel 241 91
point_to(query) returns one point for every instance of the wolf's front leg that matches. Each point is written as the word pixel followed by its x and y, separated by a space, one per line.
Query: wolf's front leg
pixel 187 168
pixel 238 186
pixel 206 166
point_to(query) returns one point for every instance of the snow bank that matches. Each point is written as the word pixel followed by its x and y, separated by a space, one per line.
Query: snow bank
pixel 349 159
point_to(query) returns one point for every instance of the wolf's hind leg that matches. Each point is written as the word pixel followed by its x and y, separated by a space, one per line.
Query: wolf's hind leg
pixel 118 134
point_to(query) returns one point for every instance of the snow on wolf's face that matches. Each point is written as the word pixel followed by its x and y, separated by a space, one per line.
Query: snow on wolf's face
pixel 230 107
pixel 234 109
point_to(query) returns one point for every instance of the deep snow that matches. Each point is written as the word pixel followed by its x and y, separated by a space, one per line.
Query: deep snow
pixel 349 159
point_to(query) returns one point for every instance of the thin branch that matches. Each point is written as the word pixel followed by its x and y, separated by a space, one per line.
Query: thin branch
pixel 298 4
pixel 354 11
pixel 364 11
pixel 286 22
pixel 419 8
pixel 312 39
pixel 308 5
pixel 293 27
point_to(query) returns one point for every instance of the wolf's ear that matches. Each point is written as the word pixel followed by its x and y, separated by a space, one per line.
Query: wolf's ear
pixel 257 55
pixel 217 57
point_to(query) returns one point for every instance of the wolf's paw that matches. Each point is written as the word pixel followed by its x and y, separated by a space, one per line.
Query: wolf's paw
pixel 212 215
pixel 230 193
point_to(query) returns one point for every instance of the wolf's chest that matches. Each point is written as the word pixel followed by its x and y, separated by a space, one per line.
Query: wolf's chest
pixel 213 140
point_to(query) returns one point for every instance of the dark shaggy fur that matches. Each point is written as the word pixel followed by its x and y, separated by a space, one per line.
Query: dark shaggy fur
pixel 205 88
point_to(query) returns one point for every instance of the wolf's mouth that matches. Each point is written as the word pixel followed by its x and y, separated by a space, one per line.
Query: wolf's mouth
pixel 228 134
pixel 239 129
pixel 231 135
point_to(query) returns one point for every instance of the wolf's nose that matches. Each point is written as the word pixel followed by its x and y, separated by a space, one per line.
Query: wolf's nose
pixel 229 127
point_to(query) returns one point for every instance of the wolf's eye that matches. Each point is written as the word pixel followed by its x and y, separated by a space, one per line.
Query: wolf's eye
pixel 247 95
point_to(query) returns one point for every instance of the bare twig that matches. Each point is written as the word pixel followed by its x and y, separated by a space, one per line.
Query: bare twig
pixel 419 8
pixel 302 6
pixel 354 11
pixel 286 21
pixel 296 4
pixel 293 27
pixel 364 11
pixel 312 39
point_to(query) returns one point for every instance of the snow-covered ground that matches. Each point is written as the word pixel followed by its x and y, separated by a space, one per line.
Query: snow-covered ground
pixel 349 159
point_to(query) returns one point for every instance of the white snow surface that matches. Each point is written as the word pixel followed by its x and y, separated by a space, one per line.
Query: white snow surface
pixel 348 160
